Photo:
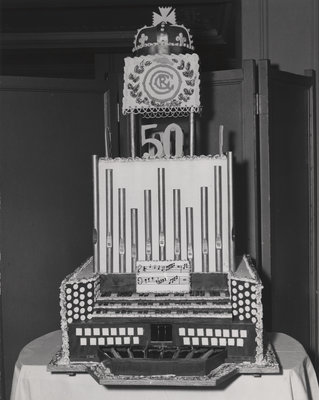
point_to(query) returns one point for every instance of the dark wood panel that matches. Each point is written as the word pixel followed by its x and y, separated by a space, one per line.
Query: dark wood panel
pixel 287 202
pixel 2 392
pixel 290 205
pixel 50 39
pixel 212 21
pixel 49 129
pixel 94 3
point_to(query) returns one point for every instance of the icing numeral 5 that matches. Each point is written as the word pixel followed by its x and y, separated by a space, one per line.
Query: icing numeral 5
pixel 155 142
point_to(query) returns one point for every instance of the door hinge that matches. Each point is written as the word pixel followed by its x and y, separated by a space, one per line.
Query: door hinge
pixel 118 112
pixel 257 104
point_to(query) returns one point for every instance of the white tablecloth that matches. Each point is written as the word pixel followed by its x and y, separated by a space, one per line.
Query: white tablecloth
pixel 31 381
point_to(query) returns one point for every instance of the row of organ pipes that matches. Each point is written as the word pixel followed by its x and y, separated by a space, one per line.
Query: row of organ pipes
pixel 148 225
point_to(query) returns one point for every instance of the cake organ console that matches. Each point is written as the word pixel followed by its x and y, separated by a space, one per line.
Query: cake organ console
pixel 163 300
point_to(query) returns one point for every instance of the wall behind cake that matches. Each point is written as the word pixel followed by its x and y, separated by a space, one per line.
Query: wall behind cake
pixel 49 130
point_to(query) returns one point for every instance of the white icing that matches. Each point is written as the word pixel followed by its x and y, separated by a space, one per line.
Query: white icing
pixel 182 90
pixel 83 274
pixel 168 315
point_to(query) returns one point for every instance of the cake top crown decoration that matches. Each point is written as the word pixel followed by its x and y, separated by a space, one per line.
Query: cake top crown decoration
pixel 167 15
pixel 165 36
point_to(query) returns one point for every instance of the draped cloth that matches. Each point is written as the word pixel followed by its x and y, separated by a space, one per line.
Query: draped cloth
pixel 32 381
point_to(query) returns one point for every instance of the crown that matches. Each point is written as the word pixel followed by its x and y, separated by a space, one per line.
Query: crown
pixel 164 36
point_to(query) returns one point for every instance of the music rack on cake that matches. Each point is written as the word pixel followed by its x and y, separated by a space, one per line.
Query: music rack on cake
pixel 163 300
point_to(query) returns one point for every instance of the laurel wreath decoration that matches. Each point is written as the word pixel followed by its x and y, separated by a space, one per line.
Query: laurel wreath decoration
pixel 137 94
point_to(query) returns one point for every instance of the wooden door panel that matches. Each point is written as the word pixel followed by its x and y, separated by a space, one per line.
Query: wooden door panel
pixel 289 188
pixel 48 129
pixel 286 152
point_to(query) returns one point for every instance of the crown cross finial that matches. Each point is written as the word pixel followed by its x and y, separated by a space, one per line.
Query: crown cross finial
pixel 143 38
pixel 166 15
pixel 181 39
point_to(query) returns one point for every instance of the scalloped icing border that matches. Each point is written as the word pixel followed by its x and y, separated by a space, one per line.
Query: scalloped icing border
pixel 259 326
pixel 71 278
pixel 165 159
pixel 65 353
pixel 162 112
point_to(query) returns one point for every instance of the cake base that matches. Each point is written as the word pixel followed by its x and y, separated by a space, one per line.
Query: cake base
pixel 217 376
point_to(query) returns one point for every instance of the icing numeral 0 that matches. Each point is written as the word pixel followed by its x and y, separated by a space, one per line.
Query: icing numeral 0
pixel 166 140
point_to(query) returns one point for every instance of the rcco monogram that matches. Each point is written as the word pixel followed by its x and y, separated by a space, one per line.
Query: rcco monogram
pixel 162 83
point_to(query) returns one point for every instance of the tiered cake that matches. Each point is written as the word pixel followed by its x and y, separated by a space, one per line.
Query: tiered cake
pixel 163 300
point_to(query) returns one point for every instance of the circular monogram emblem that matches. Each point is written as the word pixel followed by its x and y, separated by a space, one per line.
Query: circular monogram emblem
pixel 162 82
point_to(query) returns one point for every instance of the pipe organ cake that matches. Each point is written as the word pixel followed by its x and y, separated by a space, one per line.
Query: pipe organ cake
pixel 163 300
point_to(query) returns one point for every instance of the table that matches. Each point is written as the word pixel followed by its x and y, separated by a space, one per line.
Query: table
pixel 31 381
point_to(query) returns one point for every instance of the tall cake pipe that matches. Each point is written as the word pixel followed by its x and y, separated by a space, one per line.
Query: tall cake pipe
pixel 96 261
pixel 132 134
pixel 109 219
pixel 204 227
pixel 221 139
pixel 231 212
pixel 107 125
pixel 161 212
pixel 191 133
pixel 218 218
pixel 177 223
pixel 122 236
pixel 134 238
pixel 190 237
pixel 148 224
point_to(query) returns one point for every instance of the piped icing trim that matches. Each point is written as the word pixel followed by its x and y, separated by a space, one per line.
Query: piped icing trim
pixel 245 271
pixel 165 158
pixel 65 353
pixel 259 326
pixel 164 307
pixel 188 43
pixel 163 112
pixel 83 274
pixel 168 315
